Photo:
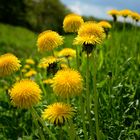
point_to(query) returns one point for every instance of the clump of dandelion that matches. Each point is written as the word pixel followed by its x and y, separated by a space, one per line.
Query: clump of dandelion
pixel 48 40
pixel 67 83
pixel 58 113
pixel 114 13
pixel 25 93
pixel 72 22
pixel 106 26
pixel 8 64
pixel 89 35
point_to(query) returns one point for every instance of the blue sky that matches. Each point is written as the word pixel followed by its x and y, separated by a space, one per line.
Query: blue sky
pixel 99 8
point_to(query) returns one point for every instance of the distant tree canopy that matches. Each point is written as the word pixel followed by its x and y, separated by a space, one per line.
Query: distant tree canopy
pixel 37 15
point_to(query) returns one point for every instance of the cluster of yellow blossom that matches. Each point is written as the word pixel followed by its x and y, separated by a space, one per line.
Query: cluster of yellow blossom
pixel 125 13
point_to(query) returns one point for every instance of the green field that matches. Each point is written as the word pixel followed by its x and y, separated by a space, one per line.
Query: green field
pixel 117 80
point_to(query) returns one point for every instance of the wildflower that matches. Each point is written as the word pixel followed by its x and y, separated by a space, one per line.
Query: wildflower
pixel 125 13
pixel 64 66
pixel 27 66
pixel 72 22
pixel 67 83
pixel 48 40
pixel 24 70
pixel 67 52
pixel 30 61
pixel 48 81
pixel 25 93
pixel 114 13
pixel 8 64
pixel 106 26
pixel 58 113
pixel 90 34
pixel 50 63
pixel 30 73
pixel 135 16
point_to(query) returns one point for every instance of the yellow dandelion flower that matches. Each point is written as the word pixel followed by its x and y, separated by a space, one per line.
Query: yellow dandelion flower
pixel 67 52
pixel 50 63
pixel 125 13
pixel 48 40
pixel 113 12
pixel 24 70
pixel 25 93
pixel 45 62
pixel 89 34
pixel 67 83
pixel 58 113
pixel 105 24
pixel 30 73
pixel 48 81
pixel 72 22
pixel 135 16
pixel 64 66
pixel 30 61
pixel 8 64
pixel 27 66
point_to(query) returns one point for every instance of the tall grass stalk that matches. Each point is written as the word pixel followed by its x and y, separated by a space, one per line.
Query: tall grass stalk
pixel 95 96
pixel 43 124
pixel 82 104
pixel 88 93
pixel 37 125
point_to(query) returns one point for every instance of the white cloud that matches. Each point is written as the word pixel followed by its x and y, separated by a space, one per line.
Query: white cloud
pixel 99 11
pixel 90 9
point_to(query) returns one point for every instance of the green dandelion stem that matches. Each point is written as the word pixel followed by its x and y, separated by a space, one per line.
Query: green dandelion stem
pixel 68 61
pixel 37 125
pixel 124 24
pixel 95 96
pixel 77 59
pixel 43 124
pixel 42 85
pixel 82 104
pixel 87 93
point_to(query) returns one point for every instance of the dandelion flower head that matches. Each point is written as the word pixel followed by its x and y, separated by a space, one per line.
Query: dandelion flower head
pixel 72 22
pixel 30 61
pixel 67 83
pixel 45 62
pixel 30 73
pixel 105 24
pixel 48 81
pixel 58 113
pixel 89 33
pixel 48 40
pixel 25 93
pixel 67 52
pixel 125 12
pixel 8 64
pixel 113 12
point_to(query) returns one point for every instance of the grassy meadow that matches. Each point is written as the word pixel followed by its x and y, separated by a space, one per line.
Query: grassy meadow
pixel 117 83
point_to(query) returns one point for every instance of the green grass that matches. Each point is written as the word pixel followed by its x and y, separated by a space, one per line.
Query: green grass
pixel 118 88
pixel 17 40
